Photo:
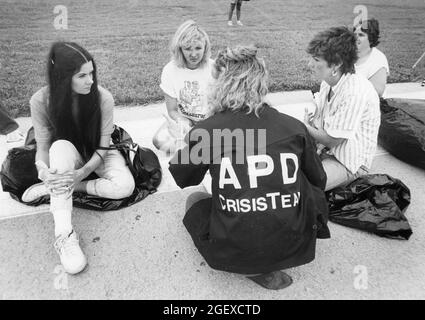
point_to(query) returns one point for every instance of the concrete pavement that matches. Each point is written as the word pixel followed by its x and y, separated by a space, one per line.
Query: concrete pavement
pixel 144 251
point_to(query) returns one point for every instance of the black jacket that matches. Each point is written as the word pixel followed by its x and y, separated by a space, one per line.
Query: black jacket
pixel 261 220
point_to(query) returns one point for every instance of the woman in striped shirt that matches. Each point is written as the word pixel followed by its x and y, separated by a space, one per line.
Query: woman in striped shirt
pixel 347 120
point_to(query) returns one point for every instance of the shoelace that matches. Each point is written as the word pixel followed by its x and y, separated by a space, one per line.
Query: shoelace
pixel 67 244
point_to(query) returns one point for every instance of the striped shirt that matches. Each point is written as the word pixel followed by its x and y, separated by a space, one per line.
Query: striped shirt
pixel 352 114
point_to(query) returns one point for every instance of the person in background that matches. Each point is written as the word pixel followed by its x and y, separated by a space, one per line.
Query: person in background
pixel 347 118
pixel 371 63
pixel 185 82
pixel 72 119
pixel 238 5
pixel 9 127
pixel 267 205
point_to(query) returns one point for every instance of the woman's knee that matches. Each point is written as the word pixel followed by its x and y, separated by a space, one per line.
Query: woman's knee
pixel 61 146
pixel 62 155
pixel 164 141
pixel 123 185
pixel 195 197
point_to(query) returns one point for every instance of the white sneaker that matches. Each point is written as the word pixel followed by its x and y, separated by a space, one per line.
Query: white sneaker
pixel 239 23
pixel 230 23
pixel 72 257
pixel 34 192
pixel 15 136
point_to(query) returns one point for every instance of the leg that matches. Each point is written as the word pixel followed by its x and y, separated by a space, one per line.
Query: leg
pixel 238 10
pixel 195 197
pixel 164 140
pixel 63 157
pixel 232 8
pixel 115 179
pixel 337 173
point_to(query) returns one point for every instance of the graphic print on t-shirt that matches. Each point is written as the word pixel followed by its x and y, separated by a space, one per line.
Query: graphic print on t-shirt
pixel 191 100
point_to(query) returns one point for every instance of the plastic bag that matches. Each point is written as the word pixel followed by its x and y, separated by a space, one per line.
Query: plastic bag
pixel 375 203
pixel 402 130
pixel 18 172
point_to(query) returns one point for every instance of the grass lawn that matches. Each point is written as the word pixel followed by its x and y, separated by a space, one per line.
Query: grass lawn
pixel 129 40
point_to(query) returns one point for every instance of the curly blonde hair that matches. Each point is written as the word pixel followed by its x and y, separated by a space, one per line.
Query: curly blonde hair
pixel 186 33
pixel 241 82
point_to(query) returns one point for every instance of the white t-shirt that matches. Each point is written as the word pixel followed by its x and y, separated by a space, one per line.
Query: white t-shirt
pixel 189 87
pixel 375 62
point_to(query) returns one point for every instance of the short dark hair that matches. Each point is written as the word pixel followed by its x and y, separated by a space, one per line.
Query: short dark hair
pixel 372 31
pixel 336 45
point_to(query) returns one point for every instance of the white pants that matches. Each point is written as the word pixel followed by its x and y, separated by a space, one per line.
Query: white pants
pixel 115 179
pixel 337 174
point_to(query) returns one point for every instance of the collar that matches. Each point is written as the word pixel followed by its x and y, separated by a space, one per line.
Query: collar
pixel 339 84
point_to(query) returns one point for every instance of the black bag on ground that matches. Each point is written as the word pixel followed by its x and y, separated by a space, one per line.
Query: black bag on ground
pixel 18 172
pixel 375 203
pixel 402 130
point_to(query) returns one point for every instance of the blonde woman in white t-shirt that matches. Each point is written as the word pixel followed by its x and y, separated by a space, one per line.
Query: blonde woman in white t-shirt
pixel 185 82
pixel 372 63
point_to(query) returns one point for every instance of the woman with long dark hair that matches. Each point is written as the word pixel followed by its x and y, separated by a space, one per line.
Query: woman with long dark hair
pixel 72 118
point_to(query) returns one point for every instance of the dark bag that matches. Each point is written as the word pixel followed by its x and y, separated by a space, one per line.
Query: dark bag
pixel 7 124
pixel 375 203
pixel 18 172
pixel 402 130
pixel 142 162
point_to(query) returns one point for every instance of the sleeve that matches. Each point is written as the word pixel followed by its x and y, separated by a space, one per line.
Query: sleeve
pixel 343 122
pixel 318 97
pixel 40 122
pixel 311 164
pixel 167 77
pixel 107 107
pixel 378 62
pixel 184 171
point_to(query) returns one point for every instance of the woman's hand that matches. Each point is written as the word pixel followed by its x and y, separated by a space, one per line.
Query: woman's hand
pixel 78 176
pixel 308 117
pixel 56 183
pixel 180 127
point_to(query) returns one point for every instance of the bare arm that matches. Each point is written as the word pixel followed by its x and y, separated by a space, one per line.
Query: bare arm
pixel 172 107
pixel 42 153
pixel 321 136
pixel 94 162
pixel 379 80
